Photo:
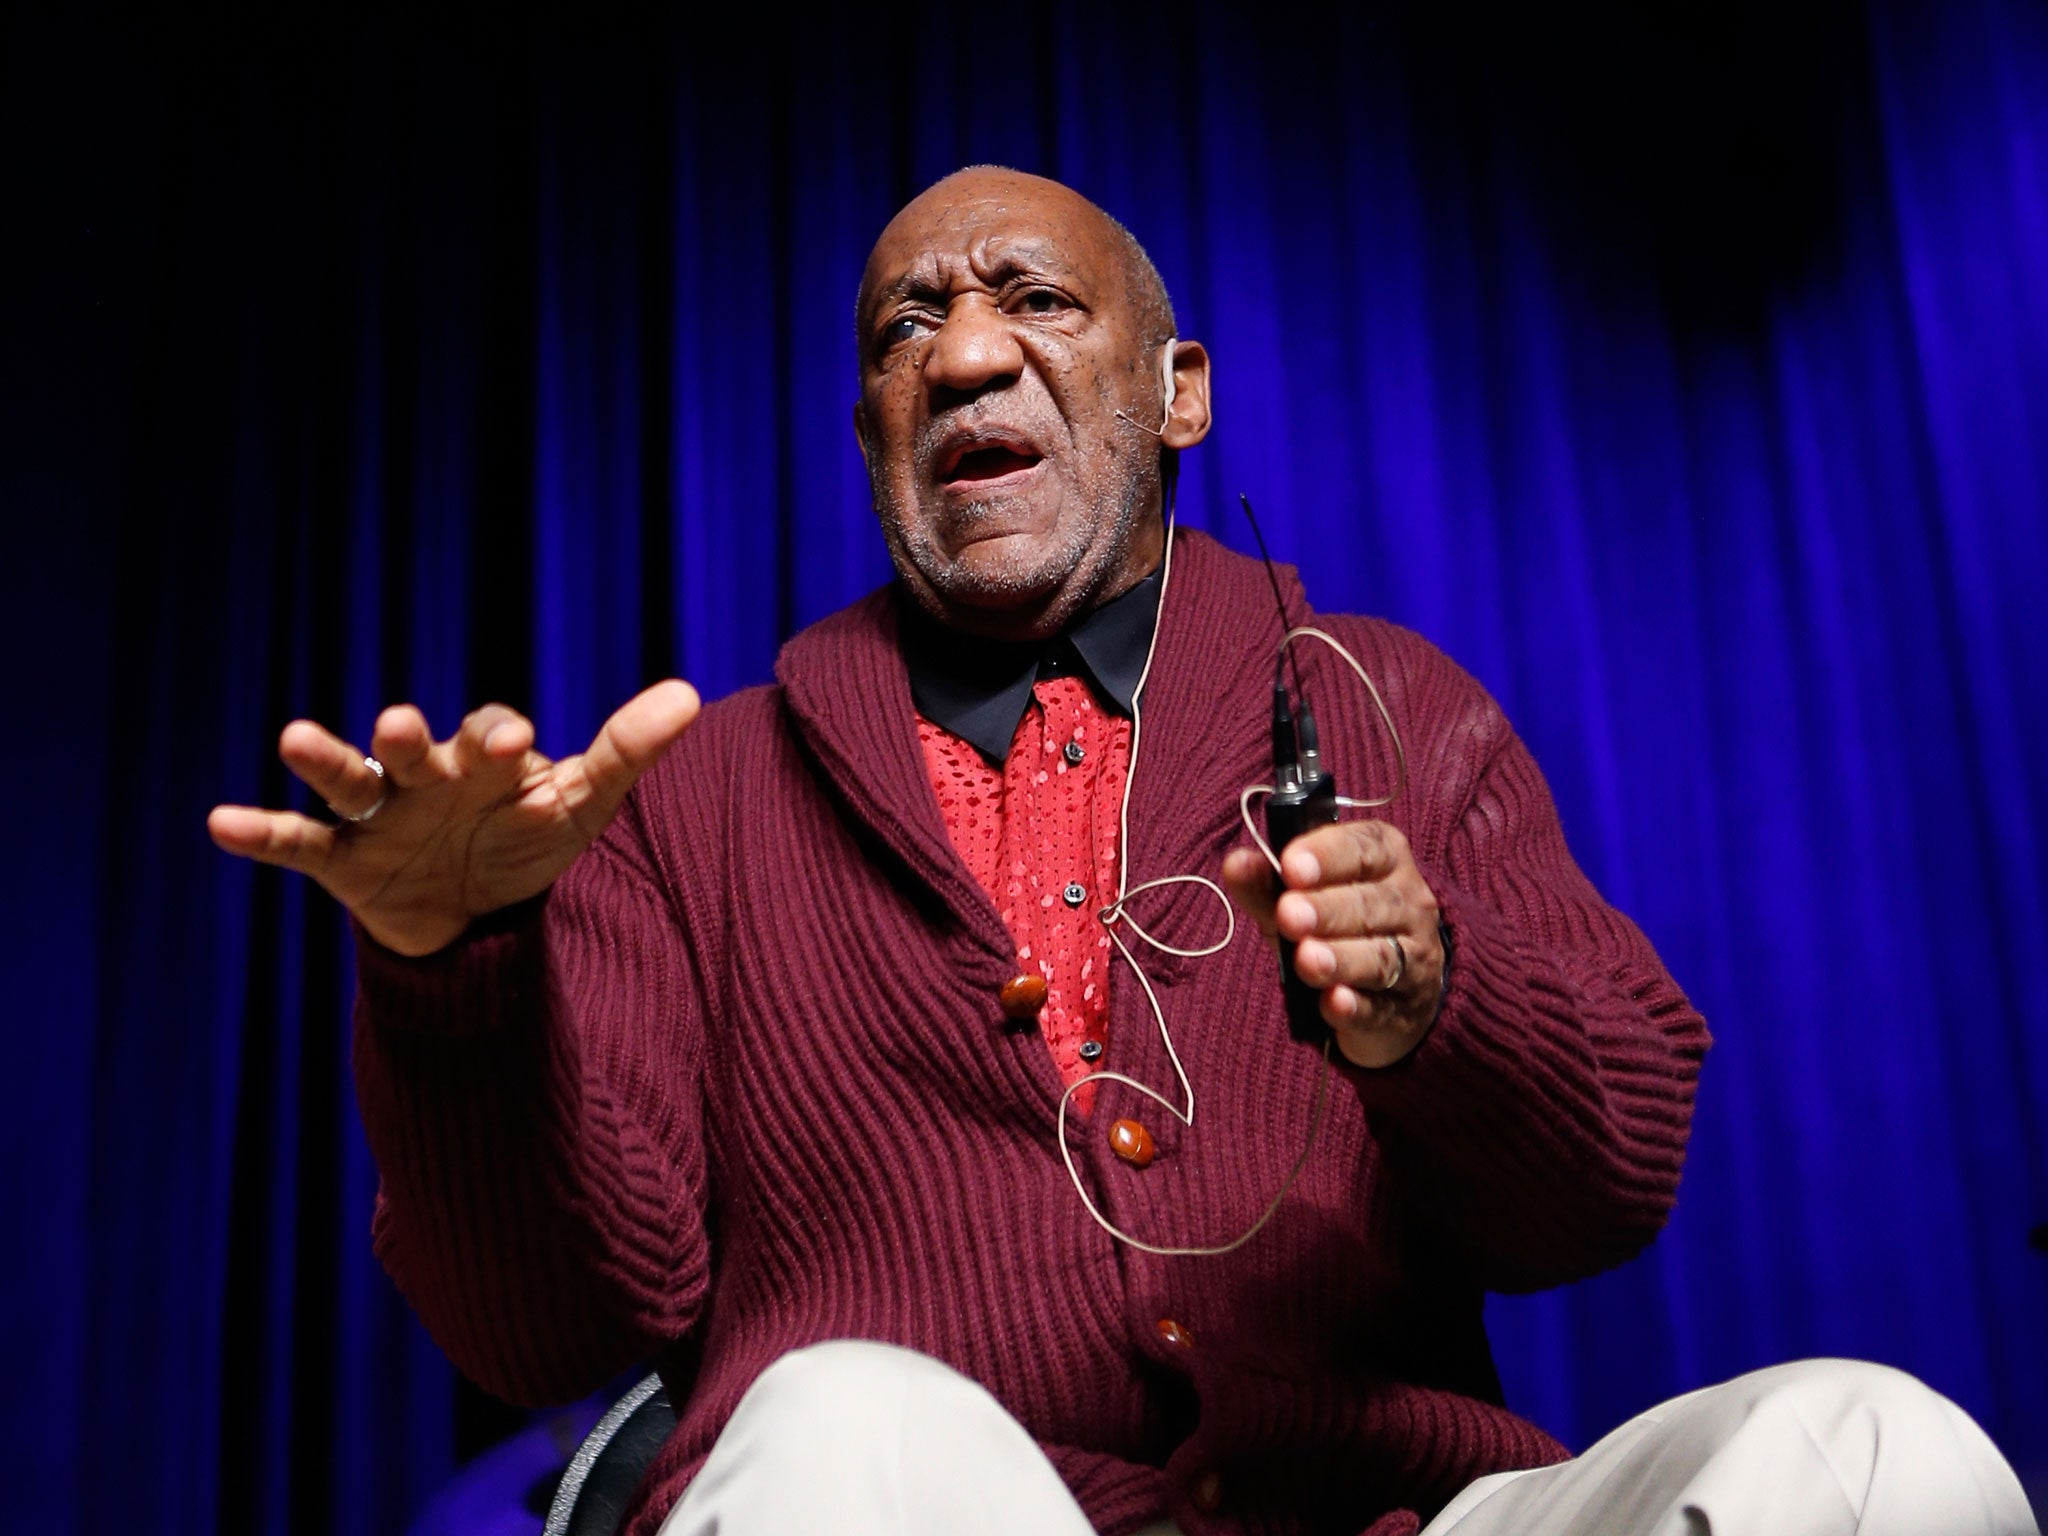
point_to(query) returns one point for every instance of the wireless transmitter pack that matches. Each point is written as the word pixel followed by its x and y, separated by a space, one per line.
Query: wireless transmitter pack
pixel 1304 797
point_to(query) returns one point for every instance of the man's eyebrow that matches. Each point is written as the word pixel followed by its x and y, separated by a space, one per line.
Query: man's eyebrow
pixel 1033 257
pixel 920 280
pixel 915 284
pixel 1013 256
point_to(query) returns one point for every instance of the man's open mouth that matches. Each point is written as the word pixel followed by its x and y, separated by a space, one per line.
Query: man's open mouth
pixel 976 458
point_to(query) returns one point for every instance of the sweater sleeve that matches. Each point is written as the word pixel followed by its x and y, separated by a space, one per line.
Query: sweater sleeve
pixel 1541 1124
pixel 532 1099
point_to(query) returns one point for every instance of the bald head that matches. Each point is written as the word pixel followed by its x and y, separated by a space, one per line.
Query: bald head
pixel 1014 357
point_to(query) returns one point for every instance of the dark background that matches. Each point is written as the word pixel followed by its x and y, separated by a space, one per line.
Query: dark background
pixel 1681 370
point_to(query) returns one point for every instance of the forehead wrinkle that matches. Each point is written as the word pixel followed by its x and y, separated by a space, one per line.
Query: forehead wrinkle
pixel 998 255
pixel 992 260
pixel 920 279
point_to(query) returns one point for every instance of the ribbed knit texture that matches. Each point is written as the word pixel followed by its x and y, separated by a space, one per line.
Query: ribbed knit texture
pixel 740 1082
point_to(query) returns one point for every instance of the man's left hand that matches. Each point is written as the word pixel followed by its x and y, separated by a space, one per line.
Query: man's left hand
pixel 1348 896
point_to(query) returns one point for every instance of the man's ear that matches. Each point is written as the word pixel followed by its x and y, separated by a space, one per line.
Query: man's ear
pixel 1187 418
pixel 860 435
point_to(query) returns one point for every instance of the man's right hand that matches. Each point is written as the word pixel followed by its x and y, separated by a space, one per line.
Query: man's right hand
pixel 471 824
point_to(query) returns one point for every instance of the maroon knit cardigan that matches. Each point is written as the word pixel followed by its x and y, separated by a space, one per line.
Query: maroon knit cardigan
pixel 740 1082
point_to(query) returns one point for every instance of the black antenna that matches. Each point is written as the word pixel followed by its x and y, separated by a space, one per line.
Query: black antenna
pixel 1279 602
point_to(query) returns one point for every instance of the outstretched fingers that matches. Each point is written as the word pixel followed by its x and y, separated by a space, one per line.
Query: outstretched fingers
pixel 402 742
pixel 631 742
pixel 283 838
pixel 446 796
pixel 330 767
pixel 493 740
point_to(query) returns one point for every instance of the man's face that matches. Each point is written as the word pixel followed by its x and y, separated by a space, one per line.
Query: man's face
pixel 998 339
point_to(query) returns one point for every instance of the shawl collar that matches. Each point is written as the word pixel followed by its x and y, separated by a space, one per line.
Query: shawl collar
pixel 1203 721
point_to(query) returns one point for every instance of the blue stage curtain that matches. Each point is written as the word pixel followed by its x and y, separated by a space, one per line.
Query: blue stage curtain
pixel 485 358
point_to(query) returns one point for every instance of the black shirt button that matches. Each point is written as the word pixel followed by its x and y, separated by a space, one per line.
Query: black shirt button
pixel 1075 894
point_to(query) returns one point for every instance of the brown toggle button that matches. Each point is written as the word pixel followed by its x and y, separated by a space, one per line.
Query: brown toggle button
pixel 1174 1334
pixel 1131 1142
pixel 1022 997
pixel 1206 1492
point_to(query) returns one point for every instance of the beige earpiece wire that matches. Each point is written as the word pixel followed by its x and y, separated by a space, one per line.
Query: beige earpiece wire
pixel 1115 914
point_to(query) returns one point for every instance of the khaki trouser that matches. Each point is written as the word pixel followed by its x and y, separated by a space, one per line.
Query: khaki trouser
pixel 864 1439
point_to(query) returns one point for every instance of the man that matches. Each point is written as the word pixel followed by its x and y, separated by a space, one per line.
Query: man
pixel 765 1051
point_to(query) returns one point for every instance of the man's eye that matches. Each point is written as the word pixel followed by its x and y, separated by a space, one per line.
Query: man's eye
pixel 1041 301
pixel 903 328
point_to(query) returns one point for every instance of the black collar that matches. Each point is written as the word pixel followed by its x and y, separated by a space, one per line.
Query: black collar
pixel 979 689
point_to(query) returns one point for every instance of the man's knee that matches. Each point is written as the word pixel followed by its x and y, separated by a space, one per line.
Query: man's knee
pixel 856 1436
pixel 826 1393
pixel 832 1367
pixel 1838 1394
pixel 1900 1455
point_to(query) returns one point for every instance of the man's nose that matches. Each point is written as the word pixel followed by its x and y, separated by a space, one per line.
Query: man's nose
pixel 975 350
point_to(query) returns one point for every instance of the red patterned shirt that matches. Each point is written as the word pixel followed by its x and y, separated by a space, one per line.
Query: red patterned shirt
pixel 1041 835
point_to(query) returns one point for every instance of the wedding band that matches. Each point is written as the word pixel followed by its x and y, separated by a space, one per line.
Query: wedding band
pixel 1400 964
pixel 383 794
